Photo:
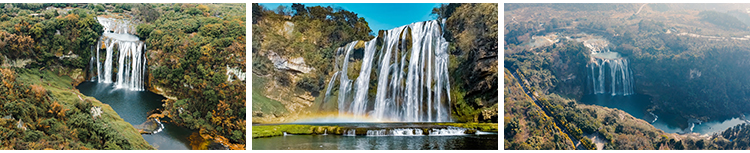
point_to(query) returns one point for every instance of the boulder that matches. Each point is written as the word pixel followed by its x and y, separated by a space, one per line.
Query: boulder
pixel 151 126
pixel 96 112
pixel 20 125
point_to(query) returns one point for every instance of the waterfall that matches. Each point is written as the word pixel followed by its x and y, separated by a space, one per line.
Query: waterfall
pixel 380 132
pixel 359 105
pixel 131 59
pixel 410 82
pixel 345 83
pixel 406 132
pixel 610 73
pixel 448 131
pixel 441 131
pixel 351 132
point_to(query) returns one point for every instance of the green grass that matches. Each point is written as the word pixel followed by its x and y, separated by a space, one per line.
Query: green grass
pixel 62 89
pixel 260 131
pixel 485 127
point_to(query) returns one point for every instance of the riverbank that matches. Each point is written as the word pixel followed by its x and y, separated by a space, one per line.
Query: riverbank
pixel 200 139
pixel 484 127
pixel 60 83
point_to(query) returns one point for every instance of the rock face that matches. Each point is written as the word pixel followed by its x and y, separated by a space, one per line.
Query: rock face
pixel 474 35
pixel 236 72
pixel 96 112
pixel 295 64
pixel 20 125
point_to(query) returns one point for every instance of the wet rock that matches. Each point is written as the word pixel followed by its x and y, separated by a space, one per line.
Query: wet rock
pixel 217 146
pixel 151 126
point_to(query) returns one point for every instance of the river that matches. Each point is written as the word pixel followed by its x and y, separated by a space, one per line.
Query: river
pixel 637 106
pixel 133 107
pixel 439 138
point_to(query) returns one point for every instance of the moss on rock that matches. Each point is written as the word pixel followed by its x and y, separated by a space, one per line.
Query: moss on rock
pixel 485 127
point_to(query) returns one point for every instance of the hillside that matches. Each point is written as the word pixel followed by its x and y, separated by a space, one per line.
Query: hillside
pixel 42 110
pixel 197 57
pixel 684 56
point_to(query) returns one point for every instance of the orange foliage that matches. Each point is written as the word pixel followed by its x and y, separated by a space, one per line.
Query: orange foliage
pixel 221 139
pixel 57 109
pixel 38 91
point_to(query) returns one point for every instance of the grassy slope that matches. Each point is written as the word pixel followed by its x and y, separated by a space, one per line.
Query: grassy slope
pixel 263 103
pixel 61 88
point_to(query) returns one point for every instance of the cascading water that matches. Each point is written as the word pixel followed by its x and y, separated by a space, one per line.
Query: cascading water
pixel 609 73
pixel 131 59
pixel 448 131
pixel 380 132
pixel 406 132
pixel 410 75
pixel 442 131
pixel 351 132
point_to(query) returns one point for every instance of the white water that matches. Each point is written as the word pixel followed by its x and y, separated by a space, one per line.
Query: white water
pixel 655 117
pixel 359 105
pixel 410 79
pixel 345 83
pixel 161 126
pixel 350 132
pixel 406 132
pixel 117 26
pixel 610 74
pixel 236 72
pixel 131 60
pixel 380 132
pixel 447 131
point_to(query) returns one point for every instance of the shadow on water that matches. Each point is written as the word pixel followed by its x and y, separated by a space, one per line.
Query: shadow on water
pixel 133 107
pixel 637 105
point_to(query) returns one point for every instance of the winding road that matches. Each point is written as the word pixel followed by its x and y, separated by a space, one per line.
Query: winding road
pixel 639 10
pixel 557 123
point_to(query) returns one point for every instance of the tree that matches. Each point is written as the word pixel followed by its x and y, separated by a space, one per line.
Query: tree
pixel 299 10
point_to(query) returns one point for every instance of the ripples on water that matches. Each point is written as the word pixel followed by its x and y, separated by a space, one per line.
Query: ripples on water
pixel 337 142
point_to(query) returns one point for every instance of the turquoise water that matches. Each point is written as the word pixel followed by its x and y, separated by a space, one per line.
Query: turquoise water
pixel 637 105
pixel 133 107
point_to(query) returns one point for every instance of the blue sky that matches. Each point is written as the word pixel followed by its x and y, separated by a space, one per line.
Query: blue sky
pixel 380 16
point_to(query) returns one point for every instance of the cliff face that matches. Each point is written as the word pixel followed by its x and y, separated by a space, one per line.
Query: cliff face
pixel 472 31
